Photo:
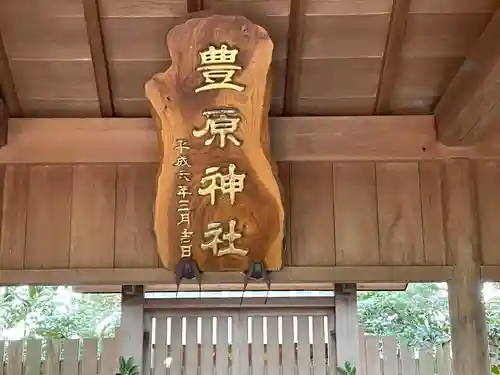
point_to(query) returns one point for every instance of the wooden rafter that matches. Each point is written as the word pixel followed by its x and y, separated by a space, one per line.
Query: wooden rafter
pixel 394 45
pixel 294 55
pixel 135 140
pixel 469 110
pixel 7 86
pixel 94 33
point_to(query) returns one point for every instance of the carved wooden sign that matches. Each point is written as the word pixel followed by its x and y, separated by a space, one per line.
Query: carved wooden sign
pixel 218 203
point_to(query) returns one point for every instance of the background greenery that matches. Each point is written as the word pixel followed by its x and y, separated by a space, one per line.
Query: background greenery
pixel 418 316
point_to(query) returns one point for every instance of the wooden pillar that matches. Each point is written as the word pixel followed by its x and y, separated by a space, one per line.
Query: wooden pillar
pixel 468 320
pixel 132 324
pixel 346 324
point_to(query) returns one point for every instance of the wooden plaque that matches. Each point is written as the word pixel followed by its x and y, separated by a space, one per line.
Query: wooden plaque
pixel 218 200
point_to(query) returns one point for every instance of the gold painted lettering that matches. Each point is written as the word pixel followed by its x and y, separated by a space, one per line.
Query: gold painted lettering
pixel 182 145
pixel 183 191
pixel 183 205
pixel 186 251
pixel 222 123
pixel 184 175
pixel 216 237
pixel 184 218
pixel 218 66
pixel 182 161
pixel 213 181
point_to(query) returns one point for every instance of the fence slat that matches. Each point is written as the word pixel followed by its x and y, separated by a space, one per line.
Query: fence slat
pixel 240 344
pixel 273 355
pixel 408 364
pixel 52 361
pixel 89 357
pixel 160 348
pixel 221 348
pixel 288 345
pixel 361 370
pixel 319 345
pixel 15 357
pixel 2 350
pixel 33 357
pixel 71 354
pixel 426 362
pixel 147 345
pixel 304 347
pixel 390 350
pixel 443 359
pixel 257 345
pixel 372 355
pixel 109 357
pixel 332 345
pixel 207 347
pixel 191 353
pixel 176 345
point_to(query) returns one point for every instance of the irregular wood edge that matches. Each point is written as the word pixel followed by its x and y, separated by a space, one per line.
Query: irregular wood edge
pixel 153 91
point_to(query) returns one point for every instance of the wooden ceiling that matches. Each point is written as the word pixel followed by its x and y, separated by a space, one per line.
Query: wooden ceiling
pixel 90 58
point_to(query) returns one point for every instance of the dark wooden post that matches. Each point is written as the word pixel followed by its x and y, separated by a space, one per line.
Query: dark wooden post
pixel 468 320
pixel 132 324
pixel 4 123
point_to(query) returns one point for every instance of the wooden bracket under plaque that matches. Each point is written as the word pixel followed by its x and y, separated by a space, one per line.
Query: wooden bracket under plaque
pixel 218 201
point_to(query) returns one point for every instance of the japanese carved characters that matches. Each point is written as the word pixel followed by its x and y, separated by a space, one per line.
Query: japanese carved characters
pixel 218 201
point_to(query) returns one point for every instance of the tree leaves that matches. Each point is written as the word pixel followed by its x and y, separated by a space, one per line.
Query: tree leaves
pixel 418 316
pixel 57 312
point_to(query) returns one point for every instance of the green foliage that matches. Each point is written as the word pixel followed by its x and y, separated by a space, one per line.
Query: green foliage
pixel 348 369
pixel 418 316
pixel 127 367
pixel 57 312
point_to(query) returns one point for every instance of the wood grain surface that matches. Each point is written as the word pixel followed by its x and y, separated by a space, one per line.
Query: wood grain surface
pixel 178 108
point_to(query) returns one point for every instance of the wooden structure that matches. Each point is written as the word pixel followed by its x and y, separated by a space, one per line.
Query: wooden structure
pixel 218 203
pixel 384 129
pixel 390 358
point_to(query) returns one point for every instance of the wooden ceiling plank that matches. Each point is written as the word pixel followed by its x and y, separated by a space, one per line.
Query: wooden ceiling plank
pixel 7 87
pixel 392 55
pixel 99 61
pixel 467 113
pixel 294 55
pixel 135 140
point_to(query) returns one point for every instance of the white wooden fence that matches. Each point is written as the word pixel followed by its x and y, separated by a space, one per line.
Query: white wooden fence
pixel 197 355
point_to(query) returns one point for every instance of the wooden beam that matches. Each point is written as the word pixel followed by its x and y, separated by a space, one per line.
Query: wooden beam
pixel 134 140
pixel 393 47
pixel 468 320
pixel 214 303
pixel 295 275
pixel 294 55
pixel 7 86
pixel 4 123
pixel 97 51
pixel 395 286
pixel 469 110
